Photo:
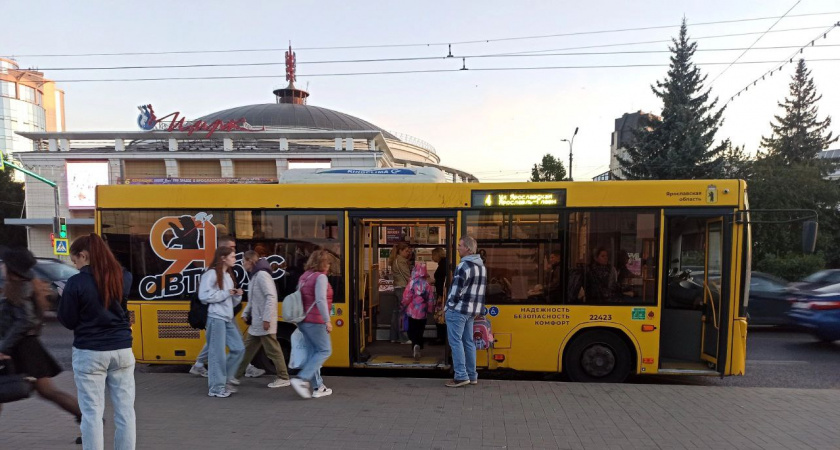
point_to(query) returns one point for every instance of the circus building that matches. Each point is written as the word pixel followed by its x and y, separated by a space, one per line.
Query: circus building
pixel 286 141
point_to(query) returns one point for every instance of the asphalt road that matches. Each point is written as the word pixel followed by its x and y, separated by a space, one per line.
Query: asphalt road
pixel 780 358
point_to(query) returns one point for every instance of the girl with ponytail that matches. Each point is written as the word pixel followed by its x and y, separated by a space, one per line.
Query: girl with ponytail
pixel 91 307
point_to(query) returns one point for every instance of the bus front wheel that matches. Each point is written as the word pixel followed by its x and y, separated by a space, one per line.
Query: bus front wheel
pixel 597 356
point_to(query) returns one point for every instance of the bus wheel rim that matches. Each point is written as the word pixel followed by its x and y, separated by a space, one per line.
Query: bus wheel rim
pixel 598 360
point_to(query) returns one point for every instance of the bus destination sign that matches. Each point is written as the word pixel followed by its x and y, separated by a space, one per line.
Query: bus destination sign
pixel 518 199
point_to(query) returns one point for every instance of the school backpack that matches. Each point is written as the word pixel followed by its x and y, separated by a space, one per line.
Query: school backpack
pixel 293 306
pixel 197 317
pixel 482 335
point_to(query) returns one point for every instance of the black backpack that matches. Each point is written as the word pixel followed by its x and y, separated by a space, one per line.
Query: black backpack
pixel 197 317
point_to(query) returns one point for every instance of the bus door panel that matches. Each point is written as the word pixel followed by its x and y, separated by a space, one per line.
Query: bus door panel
pixel 713 303
pixel 361 295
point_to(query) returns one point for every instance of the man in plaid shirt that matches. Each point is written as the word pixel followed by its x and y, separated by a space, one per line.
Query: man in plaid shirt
pixel 464 303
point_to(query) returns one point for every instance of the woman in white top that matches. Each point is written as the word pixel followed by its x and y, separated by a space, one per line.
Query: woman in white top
pixel 219 290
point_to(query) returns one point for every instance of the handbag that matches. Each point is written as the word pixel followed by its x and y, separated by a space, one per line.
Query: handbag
pixel 300 350
pixel 293 306
pixel 13 387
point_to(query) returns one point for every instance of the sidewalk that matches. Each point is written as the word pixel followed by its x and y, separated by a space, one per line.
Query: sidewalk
pixel 406 413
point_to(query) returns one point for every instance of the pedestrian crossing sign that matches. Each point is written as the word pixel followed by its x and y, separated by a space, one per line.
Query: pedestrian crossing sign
pixel 61 247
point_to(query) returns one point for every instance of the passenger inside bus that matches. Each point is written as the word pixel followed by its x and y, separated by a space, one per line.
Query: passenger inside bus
pixel 627 280
pixel 601 284
pixel 552 290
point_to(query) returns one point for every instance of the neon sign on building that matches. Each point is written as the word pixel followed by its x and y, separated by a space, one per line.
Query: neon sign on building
pixel 147 120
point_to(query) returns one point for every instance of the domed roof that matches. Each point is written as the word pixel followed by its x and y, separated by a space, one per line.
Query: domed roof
pixel 288 115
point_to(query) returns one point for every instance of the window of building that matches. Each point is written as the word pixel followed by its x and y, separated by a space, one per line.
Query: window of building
pixel 26 93
pixel 309 164
pixel 255 168
pixel 199 168
pixel 144 168
pixel 7 89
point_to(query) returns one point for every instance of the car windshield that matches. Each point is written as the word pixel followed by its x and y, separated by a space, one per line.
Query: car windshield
pixel 823 276
pixel 54 271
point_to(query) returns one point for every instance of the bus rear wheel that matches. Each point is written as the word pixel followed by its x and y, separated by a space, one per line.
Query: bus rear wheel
pixel 597 356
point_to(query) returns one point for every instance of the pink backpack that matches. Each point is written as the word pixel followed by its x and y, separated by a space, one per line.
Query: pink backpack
pixel 482 334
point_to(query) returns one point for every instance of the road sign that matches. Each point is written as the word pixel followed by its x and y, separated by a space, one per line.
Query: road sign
pixel 61 247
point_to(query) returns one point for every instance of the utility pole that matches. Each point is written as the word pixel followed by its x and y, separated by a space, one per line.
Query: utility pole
pixel 571 144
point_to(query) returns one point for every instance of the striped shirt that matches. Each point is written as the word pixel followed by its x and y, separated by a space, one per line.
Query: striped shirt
pixel 468 286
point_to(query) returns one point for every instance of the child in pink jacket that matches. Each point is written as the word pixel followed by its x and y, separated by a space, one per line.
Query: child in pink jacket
pixel 418 300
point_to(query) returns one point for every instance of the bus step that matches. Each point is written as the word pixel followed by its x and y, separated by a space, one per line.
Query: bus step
pixel 705 372
pixel 402 362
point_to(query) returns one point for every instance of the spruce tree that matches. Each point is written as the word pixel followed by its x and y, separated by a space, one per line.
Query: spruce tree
pixel 797 135
pixel 787 174
pixel 680 145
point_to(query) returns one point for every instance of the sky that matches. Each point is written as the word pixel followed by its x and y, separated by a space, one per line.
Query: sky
pixel 495 124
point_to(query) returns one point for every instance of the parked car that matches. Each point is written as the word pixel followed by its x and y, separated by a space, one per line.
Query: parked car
pixel 818 280
pixel 818 311
pixel 55 272
pixel 769 301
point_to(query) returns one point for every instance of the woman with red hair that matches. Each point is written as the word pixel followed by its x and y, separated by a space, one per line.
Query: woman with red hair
pixel 90 306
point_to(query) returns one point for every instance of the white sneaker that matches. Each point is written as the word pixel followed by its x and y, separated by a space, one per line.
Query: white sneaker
pixel 253 372
pixel 301 387
pixel 322 391
pixel 198 370
pixel 234 381
pixel 231 388
pixel 279 382
pixel 416 352
pixel 222 394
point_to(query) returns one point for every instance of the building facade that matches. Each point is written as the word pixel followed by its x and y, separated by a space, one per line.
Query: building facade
pixel 622 137
pixel 263 143
pixel 28 102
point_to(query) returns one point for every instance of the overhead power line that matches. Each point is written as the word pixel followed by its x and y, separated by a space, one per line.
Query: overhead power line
pixel 778 65
pixel 407 59
pixel 421 44
pixel 403 72
pixel 756 41
pixel 659 41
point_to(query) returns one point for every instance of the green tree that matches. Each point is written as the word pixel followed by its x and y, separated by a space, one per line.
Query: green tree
pixel 551 169
pixel 736 163
pixel 798 136
pixel 680 145
pixel 788 175
pixel 11 205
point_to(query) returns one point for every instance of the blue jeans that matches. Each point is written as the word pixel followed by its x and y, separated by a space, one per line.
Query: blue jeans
pixel 320 348
pixel 219 369
pixel 92 371
pixel 459 328
pixel 202 355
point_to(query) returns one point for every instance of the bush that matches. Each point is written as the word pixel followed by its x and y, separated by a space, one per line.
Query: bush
pixel 791 266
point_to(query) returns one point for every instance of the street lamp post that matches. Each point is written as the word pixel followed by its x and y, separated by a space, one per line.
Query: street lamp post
pixel 571 143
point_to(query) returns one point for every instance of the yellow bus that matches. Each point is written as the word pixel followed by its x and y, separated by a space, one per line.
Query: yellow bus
pixel 598 280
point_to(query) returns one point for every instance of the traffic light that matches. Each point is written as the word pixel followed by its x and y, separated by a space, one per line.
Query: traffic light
pixel 60 227
pixel 2 158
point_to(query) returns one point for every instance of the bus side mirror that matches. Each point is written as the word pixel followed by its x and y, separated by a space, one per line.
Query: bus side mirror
pixel 809 236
